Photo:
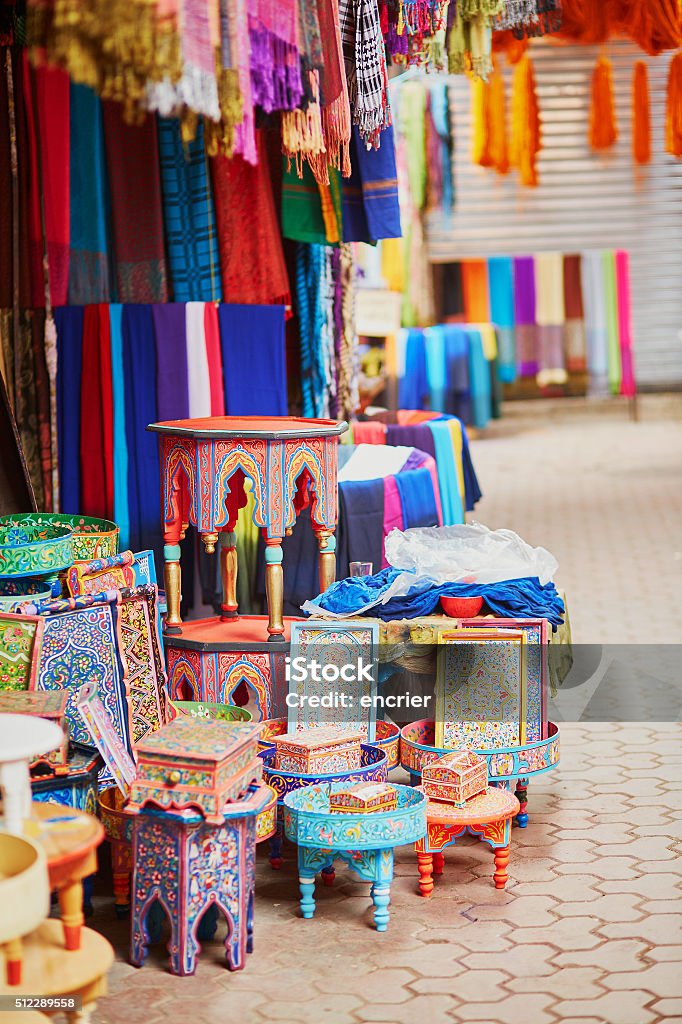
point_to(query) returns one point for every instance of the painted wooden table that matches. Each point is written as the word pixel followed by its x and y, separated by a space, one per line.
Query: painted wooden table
pixel 364 841
pixel 290 461
pixel 49 969
pixel 70 839
pixel 487 816
pixel 192 867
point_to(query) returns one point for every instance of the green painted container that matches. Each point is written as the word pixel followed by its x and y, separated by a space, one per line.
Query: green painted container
pixel 33 544
pixel 211 712
pixel 92 537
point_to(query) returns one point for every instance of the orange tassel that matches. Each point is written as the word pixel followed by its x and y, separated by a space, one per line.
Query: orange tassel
pixel 641 127
pixel 673 110
pixel 603 127
pixel 525 135
pixel 499 155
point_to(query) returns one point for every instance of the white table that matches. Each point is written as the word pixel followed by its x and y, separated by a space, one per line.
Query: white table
pixel 22 737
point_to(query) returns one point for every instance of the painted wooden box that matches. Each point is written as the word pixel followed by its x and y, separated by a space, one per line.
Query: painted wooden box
pixel 191 763
pixel 364 798
pixel 50 705
pixel 318 750
pixel 456 777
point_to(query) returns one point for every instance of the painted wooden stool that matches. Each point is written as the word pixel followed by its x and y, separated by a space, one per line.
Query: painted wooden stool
pixel 190 867
pixel 364 841
pixel 49 969
pixel 487 816
pixel 78 787
pixel 70 839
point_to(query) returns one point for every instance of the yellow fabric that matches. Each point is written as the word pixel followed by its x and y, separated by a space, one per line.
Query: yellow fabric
pixel 549 289
pixel 331 227
pixel 247 550
pixel 488 340
pixel 603 127
pixel 457 447
pixel 525 135
pixel 497 123
pixel 393 264
pixel 480 116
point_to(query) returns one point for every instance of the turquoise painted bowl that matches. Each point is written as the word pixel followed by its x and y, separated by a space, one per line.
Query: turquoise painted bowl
pixel 211 712
pixel 15 591
pixel 92 537
pixel 33 545
pixel 308 820
pixel 373 768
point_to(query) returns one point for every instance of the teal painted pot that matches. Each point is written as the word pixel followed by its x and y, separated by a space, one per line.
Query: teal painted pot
pixel 15 591
pixel 34 545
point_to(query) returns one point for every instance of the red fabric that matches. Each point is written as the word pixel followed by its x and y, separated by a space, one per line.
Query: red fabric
pixel 97 415
pixel 52 97
pixel 214 357
pixel 332 68
pixel 137 216
pixel 251 257
pixel 42 388
pixel 410 417
pixel 35 234
pixel 369 433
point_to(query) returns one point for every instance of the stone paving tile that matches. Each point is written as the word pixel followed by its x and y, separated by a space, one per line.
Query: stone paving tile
pixel 589 930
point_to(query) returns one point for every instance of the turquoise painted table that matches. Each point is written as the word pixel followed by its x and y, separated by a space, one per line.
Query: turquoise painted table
pixel 364 841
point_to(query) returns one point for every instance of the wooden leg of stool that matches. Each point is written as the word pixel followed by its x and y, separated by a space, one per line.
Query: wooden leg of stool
pixel 438 863
pixel 13 955
pixel 425 866
pixel 71 910
pixel 121 881
pixel 501 861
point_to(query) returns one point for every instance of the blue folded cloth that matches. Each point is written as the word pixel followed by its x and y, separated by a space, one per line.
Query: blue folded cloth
pixel 418 502
pixel 524 598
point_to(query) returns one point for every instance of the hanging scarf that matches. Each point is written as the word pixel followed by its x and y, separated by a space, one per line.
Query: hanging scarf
pixel 46 94
pixel 348 372
pixel 441 120
pixel 311 291
pixel 302 133
pixel 69 322
pixel 516 12
pixel 220 137
pixel 336 115
pixel 137 219
pixel 197 361
pixel 302 218
pixel 370 196
pixel 524 315
pixel 89 260
pixel 189 217
pixel 275 61
pixel 43 486
pixel 627 385
pixel 170 334
pixel 253 353
pixel 120 442
pixel 251 256
pixel 244 132
pixel 97 415
pixel 365 59
pixel 197 87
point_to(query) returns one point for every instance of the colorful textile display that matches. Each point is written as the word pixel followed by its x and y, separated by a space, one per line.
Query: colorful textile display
pixel 254 360
pixel 136 217
pixel 365 60
pixel 189 218
pixel 370 196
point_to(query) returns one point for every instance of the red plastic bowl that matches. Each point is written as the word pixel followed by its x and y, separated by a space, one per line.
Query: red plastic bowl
pixel 461 607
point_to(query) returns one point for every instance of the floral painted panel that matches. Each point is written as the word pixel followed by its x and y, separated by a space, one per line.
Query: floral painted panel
pixel 144 660
pixel 82 646
pixel 20 637
pixel 481 692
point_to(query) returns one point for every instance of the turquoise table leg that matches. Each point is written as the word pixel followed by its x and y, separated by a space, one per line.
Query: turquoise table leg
pixel 309 863
pixel 381 887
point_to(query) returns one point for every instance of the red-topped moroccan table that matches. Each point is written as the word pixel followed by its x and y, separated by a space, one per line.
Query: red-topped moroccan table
pixel 290 461
pixel 488 816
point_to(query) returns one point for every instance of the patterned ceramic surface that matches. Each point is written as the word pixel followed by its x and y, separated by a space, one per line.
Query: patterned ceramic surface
pixel 373 767
pixel 417 749
pixel 208 712
pixel 18 638
pixel 34 545
pixel 309 821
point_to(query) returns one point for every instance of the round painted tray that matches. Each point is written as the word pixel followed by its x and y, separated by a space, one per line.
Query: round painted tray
pixel 373 768
pixel 92 537
pixel 387 738
pixel 14 592
pixel 417 750
pixel 34 545
pixel 309 822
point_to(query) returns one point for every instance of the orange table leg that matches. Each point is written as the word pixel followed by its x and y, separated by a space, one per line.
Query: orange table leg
pixel 71 910
pixel 438 863
pixel 425 865
pixel 13 954
pixel 501 861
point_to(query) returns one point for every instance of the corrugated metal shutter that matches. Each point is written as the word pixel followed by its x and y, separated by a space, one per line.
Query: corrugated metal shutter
pixel 583 200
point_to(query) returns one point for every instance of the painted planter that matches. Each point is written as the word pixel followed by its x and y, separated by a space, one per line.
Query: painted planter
pixel 92 537
pixel 387 738
pixel 34 545
pixel 373 768
pixel 504 765
pixel 24 887
pixel 308 820
pixel 208 712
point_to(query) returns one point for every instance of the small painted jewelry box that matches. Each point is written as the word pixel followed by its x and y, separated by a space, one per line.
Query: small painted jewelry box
pixel 50 705
pixel 318 750
pixel 195 763
pixel 364 798
pixel 456 777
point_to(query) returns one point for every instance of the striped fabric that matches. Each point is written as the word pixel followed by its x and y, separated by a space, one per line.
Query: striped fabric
pixel 191 238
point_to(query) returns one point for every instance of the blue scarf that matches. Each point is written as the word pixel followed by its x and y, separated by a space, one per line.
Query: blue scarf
pixel 69 323
pixel 254 360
